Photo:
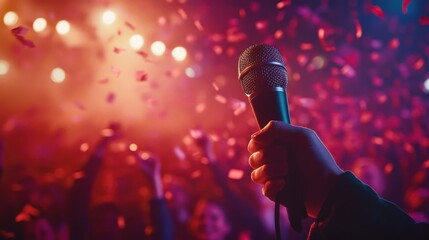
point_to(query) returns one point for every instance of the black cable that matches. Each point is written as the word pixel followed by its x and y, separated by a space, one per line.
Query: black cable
pixel 277 219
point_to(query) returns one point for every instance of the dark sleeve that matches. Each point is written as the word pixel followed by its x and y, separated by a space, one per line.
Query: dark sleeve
pixel 79 200
pixel 240 212
pixel 354 211
pixel 161 220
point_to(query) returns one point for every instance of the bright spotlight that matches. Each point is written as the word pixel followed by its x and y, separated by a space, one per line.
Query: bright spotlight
pixel 158 48
pixel 108 17
pixel 58 75
pixel 63 27
pixel 39 24
pixel 179 53
pixel 4 67
pixel 136 41
pixel 10 18
pixel 426 85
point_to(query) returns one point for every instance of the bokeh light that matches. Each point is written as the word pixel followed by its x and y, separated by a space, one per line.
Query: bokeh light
pixel 58 75
pixel 426 86
pixel 190 72
pixel 39 24
pixel 63 27
pixel 158 48
pixel 10 18
pixel 136 41
pixel 108 17
pixel 4 67
pixel 179 54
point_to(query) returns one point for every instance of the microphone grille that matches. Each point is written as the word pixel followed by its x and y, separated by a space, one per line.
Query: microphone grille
pixel 261 67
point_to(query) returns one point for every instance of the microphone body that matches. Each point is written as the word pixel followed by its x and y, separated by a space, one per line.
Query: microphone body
pixel 269 106
pixel 263 76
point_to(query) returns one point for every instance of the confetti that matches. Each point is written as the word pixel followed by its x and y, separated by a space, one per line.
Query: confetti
pixel 358 29
pixel 19 33
pixel 118 50
pixel 79 105
pixel 283 4
pixel 198 25
pixel 141 76
pixel 377 11
pixel 235 174
pixel 130 26
pixel 405 4
pixel 424 21
pixel 116 71
pixel 110 98
pixel 220 99
pixel 182 14
pixel 142 53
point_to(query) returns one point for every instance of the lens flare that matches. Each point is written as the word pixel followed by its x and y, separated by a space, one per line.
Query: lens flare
pixel 39 24
pixel 158 48
pixel 179 54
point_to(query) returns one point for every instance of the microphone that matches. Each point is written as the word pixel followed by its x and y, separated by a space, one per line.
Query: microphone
pixel 263 76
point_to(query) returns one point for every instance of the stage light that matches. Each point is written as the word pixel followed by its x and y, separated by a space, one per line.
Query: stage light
pixel 4 67
pixel 109 17
pixel 133 147
pixel 58 75
pixel 190 72
pixel 179 53
pixel 10 18
pixel 63 27
pixel 39 24
pixel 136 41
pixel 426 86
pixel 158 48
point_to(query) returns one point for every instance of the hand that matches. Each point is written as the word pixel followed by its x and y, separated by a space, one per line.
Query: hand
pixel 151 166
pixel 205 144
pixel 111 133
pixel 278 143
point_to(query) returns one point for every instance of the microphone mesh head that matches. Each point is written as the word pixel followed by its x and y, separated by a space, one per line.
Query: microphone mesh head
pixel 261 68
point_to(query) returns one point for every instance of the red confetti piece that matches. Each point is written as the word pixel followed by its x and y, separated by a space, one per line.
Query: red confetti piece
pixel 142 53
pixel 103 81
pixel 110 98
pixel 180 154
pixel 215 86
pixel 118 50
pixel 261 25
pixel 19 33
pixel 321 34
pixel 405 4
pixel 130 26
pixel 424 21
pixel 377 11
pixel 141 76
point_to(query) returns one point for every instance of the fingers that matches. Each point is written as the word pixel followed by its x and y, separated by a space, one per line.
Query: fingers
pixel 276 131
pixel 273 187
pixel 269 172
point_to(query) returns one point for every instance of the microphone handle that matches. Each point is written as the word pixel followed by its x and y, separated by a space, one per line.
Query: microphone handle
pixel 274 106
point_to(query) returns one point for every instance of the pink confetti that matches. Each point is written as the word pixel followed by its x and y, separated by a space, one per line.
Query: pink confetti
pixel 405 4
pixel 283 4
pixel 79 105
pixel 116 71
pixel 215 86
pixel 261 25
pixel 220 99
pixel 198 25
pixel 19 33
pixel 238 106
pixel 424 21
pixel 110 97
pixel 180 154
pixel 377 11
pixel 130 26
pixel 358 29
pixel 235 174
pixel 142 53
pixel 182 14
pixel 118 50
pixel 141 76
